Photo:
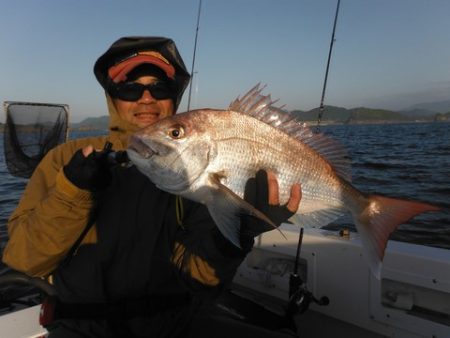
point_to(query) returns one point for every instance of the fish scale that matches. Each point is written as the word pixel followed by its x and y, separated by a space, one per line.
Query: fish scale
pixel 256 152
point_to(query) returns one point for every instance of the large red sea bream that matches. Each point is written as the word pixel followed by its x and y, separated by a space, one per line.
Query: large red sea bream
pixel 208 155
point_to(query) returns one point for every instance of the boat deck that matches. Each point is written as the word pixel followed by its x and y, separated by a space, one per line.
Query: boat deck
pixel 265 311
pixel 312 324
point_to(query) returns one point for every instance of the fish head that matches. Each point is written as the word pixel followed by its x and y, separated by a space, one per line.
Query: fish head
pixel 173 152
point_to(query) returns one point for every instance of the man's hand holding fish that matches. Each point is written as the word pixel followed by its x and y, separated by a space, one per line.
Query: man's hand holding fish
pixel 262 192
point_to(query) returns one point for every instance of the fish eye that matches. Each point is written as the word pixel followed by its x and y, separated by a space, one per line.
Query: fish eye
pixel 176 132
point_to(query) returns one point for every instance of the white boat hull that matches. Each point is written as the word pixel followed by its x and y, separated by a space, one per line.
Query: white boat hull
pixel 412 299
pixel 22 324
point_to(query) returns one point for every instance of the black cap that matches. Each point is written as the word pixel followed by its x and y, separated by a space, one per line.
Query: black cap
pixel 128 46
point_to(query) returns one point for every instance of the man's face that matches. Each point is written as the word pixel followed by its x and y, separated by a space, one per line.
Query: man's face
pixel 146 110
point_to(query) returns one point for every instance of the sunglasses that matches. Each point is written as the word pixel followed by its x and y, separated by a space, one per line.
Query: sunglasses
pixel 133 91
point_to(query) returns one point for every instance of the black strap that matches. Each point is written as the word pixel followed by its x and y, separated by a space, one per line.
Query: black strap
pixel 73 249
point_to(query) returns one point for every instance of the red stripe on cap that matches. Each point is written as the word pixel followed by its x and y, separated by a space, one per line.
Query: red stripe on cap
pixel 119 71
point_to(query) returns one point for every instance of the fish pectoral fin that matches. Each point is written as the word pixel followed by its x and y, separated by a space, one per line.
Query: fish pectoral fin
pixel 226 209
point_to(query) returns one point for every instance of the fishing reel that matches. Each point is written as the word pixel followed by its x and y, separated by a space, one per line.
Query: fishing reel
pixel 300 297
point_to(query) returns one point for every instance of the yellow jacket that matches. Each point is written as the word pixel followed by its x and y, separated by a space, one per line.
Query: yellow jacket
pixel 37 241
pixel 53 212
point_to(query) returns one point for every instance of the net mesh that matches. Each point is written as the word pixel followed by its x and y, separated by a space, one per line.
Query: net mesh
pixel 31 130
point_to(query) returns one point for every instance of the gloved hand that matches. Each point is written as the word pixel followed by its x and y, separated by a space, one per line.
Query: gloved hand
pixel 89 172
pixel 261 191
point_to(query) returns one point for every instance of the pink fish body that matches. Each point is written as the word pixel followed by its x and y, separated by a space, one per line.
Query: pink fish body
pixel 208 155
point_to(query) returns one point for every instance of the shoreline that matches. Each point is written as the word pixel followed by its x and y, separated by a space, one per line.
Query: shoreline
pixel 308 123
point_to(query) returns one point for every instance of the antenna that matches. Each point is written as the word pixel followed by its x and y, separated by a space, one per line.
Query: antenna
pixel 193 57
pixel 321 107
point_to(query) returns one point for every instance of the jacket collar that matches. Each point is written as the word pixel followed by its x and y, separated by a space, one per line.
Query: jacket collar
pixel 118 128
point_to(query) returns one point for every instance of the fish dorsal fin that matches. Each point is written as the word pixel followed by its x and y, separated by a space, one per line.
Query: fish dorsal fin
pixel 259 106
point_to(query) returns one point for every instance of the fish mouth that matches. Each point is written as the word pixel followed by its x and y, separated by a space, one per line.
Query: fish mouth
pixel 140 147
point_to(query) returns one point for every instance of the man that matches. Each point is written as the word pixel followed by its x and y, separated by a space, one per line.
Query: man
pixel 145 261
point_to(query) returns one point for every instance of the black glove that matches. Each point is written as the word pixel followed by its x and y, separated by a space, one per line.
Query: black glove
pixel 257 194
pixel 91 172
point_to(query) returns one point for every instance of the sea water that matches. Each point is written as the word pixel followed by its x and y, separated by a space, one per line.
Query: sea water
pixel 410 160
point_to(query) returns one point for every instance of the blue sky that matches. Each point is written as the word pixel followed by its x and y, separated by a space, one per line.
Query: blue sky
pixel 388 53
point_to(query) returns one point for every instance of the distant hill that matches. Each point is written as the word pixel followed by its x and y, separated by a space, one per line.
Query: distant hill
pixel 442 117
pixel 374 115
pixel 418 113
pixel 436 107
pixel 332 114
pixel 92 123
pixel 355 115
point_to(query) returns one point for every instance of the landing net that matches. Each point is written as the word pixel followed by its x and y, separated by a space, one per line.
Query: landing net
pixel 31 130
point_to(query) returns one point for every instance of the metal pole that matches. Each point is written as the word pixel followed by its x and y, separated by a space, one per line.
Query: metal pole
pixel 193 57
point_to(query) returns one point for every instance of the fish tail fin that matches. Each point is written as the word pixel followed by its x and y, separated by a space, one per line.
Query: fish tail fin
pixel 381 216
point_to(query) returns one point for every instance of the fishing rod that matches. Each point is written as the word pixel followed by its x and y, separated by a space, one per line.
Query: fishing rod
pixel 321 107
pixel 299 296
pixel 193 57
